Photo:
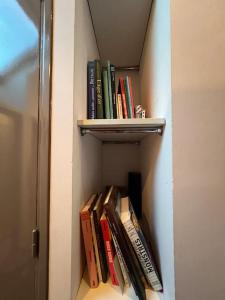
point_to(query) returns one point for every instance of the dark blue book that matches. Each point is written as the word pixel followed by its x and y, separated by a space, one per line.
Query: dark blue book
pixel 91 90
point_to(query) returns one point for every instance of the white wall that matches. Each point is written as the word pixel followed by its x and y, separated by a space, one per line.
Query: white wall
pixel 61 151
pixel 156 154
pixel 198 56
pixel 87 164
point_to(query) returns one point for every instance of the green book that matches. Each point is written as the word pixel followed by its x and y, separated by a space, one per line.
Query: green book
pixel 110 90
pixel 106 94
pixel 128 98
pixel 99 90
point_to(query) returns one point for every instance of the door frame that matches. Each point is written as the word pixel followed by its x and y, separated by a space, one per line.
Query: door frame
pixel 44 142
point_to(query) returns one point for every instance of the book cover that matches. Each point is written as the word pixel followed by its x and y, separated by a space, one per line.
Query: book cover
pixel 106 94
pixel 113 84
pixel 85 216
pixel 99 97
pixel 121 89
pixel 131 96
pixel 119 107
pixel 91 90
pixel 139 243
pixel 128 100
pixel 110 90
pixel 100 253
pixel 127 252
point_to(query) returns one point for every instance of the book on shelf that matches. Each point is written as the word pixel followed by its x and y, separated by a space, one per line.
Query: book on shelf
pixel 119 107
pixel 121 90
pixel 99 96
pixel 140 244
pixel 110 89
pixel 128 98
pixel 91 90
pixel 106 94
pixel 85 216
pixel 113 84
pixel 98 239
pixel 127 251
pixel 131 95
pixel 112 258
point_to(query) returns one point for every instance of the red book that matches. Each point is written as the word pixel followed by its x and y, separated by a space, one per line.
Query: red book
pixel 123 95
pixel 85 216
pixel 131 97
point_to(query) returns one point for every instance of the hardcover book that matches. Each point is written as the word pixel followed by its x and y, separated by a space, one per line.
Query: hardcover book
pixel 110 90
pixel 99 107
pixel 140 245
pixel 91 90
pixel 106 94
pixel 121 89
pixel 113 84
pixel 85 216
pixel 131 96
pixel 128 99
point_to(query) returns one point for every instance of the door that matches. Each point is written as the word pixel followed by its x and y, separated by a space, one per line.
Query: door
pixel 20 89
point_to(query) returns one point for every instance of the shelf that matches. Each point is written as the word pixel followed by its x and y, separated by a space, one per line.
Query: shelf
pixel 121 130
pixel 109 292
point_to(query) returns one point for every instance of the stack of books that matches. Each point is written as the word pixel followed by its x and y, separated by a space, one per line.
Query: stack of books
pixel 116 243
pixel 103 101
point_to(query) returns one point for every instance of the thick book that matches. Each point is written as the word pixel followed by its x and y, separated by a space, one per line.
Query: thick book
pixel 112 259
pixel 91 90
pixel 113 85
pixel 140 244
pixel 126 249
pixel 110 90
pixel 128 99
pixel 119 107
pixel 85 216
pixel 106 94
pixel 98 239
pixel 99 106
pixel 121 89
pixel 131 96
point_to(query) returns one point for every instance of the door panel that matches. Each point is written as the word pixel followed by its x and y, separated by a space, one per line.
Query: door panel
pixel 19 94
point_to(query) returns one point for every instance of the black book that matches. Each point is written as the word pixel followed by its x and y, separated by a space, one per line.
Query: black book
pixel 99 90
pixel 126 248
pixel 91 90
pixel 113 85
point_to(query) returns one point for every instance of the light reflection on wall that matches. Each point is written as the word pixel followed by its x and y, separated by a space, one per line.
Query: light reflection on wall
pixel 18 34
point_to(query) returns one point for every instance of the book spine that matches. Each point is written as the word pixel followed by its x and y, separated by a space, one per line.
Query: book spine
pixel 96 248
pixel 91 88
pixel 110 90
pixel 109 251
pixel 113 83
pixel 143 256
pixel 128 100
pixel 125 115
pixel 120 109
pixel 106 94
pixel 131 96
pixel 89 249
pixel 99 90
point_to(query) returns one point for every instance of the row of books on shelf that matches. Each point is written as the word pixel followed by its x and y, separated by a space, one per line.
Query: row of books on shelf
pixel 104 101
pixel 116 243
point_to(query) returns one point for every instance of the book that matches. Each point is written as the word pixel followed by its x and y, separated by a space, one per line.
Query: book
pixel 140 245
pixel 106 94
pixel 85 216
pixel 119 107
pixel 99 99
pixel 113 85
pixel 112 259
pixel 126 249
pixel 131 96
pixel 91 90
pixel 121 89
pixel 98 239
pixel 110 89
pixel 128 99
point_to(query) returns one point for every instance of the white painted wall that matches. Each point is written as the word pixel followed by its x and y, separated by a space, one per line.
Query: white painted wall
pixel 156 152
pixel 61 151
pixel 198 56
pixel 87 151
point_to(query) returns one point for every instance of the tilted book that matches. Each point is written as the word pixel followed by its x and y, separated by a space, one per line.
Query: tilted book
pixel 140 244
pixel 128 98
pixel 91 90
pixel 121 90
pixel 131 96
pixel 126 249
pixel 85 216
pixel 98 239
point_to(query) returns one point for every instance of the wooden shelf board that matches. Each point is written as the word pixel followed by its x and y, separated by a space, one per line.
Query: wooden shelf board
pixel 109 292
